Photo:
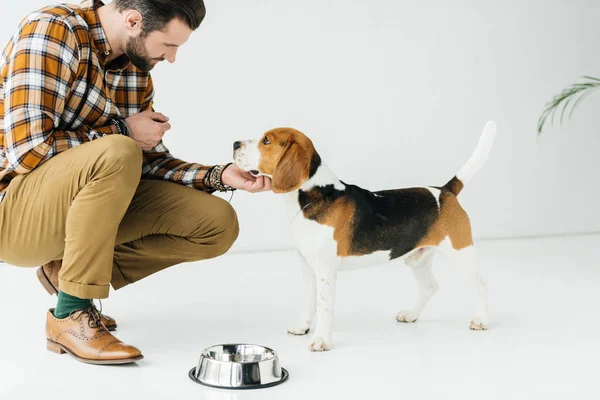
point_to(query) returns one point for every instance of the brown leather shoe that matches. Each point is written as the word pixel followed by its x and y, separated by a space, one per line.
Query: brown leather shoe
pixel 48 276
pixel 84 337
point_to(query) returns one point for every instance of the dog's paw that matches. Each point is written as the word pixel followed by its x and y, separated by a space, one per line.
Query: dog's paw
pixel 477 324
pixel 300 329
pixel 318 343
pixel 406 316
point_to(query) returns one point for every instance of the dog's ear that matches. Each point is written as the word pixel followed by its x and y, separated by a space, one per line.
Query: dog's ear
pixel 291 169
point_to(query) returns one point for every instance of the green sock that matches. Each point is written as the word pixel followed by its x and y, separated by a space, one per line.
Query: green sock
pixel 67 303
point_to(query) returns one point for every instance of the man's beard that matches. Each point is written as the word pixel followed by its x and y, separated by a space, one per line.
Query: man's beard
pixel 136 52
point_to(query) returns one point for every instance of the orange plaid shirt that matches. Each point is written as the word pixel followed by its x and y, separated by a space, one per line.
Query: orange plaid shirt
pixel 57 92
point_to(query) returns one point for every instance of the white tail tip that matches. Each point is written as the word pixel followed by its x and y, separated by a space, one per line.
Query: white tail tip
pixel 481 153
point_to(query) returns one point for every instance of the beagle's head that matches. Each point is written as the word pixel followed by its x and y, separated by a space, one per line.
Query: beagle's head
pixel 286 155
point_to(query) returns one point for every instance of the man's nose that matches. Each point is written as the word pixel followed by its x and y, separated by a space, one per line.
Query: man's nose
pixel 236 145
pixel 169 56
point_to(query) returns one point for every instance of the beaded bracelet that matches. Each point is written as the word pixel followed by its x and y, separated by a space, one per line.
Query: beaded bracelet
pixel 121 126
pixel 212 178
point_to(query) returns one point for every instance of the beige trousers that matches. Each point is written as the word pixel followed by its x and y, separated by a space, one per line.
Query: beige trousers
pixel 88 207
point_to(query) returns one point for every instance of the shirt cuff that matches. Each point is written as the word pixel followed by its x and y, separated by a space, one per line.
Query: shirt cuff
pixel 198 180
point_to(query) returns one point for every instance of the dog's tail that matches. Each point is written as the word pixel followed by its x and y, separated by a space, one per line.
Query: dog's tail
pixel 476 160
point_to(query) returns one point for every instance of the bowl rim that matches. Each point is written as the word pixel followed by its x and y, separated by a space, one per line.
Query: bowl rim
pixel 272 352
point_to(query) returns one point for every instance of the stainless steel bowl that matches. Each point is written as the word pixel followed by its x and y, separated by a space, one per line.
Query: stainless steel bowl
pixel 239 366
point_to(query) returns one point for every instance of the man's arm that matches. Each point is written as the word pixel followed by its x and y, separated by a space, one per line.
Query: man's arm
pixel 41 68
pixel 160 164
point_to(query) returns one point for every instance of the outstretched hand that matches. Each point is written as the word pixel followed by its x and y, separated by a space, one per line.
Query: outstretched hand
pixel 240 179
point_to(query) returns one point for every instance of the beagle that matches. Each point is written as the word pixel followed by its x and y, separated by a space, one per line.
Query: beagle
pixel 338 226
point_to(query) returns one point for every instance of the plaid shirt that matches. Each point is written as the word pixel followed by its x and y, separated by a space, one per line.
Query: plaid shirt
pixel 57 92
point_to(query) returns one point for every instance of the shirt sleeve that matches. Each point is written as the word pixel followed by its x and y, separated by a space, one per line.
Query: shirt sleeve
pixel 160 164
pixel 41 68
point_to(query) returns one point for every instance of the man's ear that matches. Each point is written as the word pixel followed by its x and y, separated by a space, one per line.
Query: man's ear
pixel 133 20
pixel 291 169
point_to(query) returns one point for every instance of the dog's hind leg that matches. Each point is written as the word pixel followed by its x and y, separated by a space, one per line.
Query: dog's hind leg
pixel 309 302
pixel 419 263
pixel 466 260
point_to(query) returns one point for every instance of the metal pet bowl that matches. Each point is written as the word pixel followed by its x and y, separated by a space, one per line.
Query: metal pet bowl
pixel 239 366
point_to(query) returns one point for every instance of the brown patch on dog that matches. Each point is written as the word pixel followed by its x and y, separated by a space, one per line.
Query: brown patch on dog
pixel 452 221
pixel 287 158
pixel 454 185
pixel 339 215
pixel 341 220
pixel 291 169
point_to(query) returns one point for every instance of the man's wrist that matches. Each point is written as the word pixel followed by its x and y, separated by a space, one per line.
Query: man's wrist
pixel 214 178
pixel 206 179
pixel 125 126
pixel 119 126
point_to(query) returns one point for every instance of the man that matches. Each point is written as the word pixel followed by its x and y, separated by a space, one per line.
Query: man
pixel 87 188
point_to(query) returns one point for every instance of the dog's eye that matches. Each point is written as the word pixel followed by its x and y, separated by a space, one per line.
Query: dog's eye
pixel 266 141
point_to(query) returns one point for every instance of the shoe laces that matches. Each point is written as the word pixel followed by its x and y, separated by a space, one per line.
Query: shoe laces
pixel 93 314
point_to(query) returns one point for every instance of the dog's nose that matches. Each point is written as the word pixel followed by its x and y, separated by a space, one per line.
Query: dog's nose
pixel 236 145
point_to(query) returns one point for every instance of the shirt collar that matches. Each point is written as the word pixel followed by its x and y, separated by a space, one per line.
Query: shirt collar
pixel 101 44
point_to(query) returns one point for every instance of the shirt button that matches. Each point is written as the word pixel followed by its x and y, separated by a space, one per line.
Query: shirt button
pixel 106 53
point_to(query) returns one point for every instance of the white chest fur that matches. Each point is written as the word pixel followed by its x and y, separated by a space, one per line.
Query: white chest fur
pixel 310 237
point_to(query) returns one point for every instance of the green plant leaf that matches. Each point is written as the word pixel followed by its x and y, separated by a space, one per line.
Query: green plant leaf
pixel 574 93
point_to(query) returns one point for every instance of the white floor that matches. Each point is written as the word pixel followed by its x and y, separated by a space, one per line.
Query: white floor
pixel 543 342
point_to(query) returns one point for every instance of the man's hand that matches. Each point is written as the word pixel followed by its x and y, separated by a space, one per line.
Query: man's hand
pixel 240 179
pixel 147 128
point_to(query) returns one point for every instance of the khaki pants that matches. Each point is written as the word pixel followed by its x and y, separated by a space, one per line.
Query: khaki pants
pixel 88 207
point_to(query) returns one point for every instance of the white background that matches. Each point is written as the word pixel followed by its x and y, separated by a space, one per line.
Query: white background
pixel 393 94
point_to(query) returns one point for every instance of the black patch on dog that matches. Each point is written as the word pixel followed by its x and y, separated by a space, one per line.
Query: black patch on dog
pixel 317 201
pixel 389 220
pixel 315 163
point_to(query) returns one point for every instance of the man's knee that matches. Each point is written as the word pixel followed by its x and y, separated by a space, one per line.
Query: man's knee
pixel 123 147
pixel 119 153
pixel 227 227
pixel 216 234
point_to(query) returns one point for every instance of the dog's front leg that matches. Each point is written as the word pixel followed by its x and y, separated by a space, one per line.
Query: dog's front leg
pixel 326 274
pixel 302 325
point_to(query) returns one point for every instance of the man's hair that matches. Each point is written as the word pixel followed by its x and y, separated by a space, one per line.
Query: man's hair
pixel 156 14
